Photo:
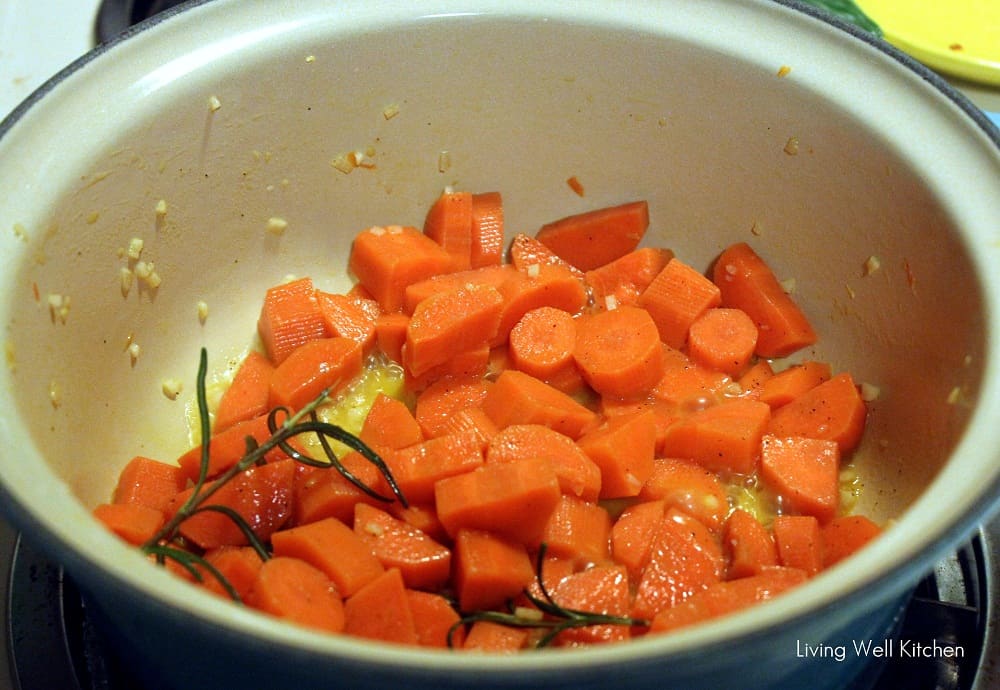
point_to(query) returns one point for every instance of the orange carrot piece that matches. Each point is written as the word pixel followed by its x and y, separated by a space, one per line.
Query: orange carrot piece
pixel 325 493
pixel 433 617
pixel 422 517
pixel 594 238
pixel 748 546
pixel 723 338
pixel 487 230
pixel 833 411
pixel 804 472
pixel 333 548
pixel 799 542
pixel 485 276
pixel 747 282
pixel 292 589
pixel 473 363
pixel 687 385
pixel 526 251
pixel 148 482
pixel 753 379
pixel 390 424
pixel 601 589
pixel 621 281
pixel 445 397
pixel 541 344
pixel 489 569
pixel 326 363
pixel 689 487
pixel 622 447
pixel 290 317
pixel 541 285
pixel 664 413
pixel 471 420
pixel 619 352
pixel 632 535
pixel 390 334
pixel 724 438
pixel 387 259
pixel 511 499
pixel 578 475
pixel 418 468
pixel 685 558
pixel 346 318
pixel 449 223
pixel 380 610
pixel 423 563
pixel 247 396
pixel 578 530
pixel 727 597
pixel 789 384
pixel 516 398
pixel 844 536
pixel 240 565
pixel 133 522
pixel 450 323
pixel 677 296
pixel 495 638
pixel 226 448
pixel 262 496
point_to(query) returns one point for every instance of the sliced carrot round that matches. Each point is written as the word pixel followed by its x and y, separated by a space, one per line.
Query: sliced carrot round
pixel 619 352
pixel 724 339
pixel 541 344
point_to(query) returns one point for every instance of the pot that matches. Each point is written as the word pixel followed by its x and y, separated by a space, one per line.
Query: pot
pixel 859 175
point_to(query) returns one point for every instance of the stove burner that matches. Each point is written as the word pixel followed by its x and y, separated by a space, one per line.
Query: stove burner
pixel 115 16
pixel 54 642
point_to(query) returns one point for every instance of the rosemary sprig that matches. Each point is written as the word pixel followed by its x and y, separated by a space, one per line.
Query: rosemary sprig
pixel 548 615
pixel 163 544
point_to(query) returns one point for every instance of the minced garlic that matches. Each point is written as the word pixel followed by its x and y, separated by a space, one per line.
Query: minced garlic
pixel 872 264
pixel 134 351
pixel 58 307
pixel 125 278
pixel 171 388
pixel 214 103
pixel 277 226
pixel 202 308
pixel 134 250
pixel 792 146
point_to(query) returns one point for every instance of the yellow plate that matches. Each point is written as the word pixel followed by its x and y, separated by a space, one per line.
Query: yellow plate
pixel 959 37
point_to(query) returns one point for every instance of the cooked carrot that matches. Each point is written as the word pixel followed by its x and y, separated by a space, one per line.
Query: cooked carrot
pixel 789 384
pixel 516 398
pixel 422 517
pixel 511 499
pixel 727 597
pixel 292 589
pixel 677 296
pixel 747 282
pixel 423 563
pixel 619 352
pixel 664 413
pixel 449 223
pixel 418 468
pixel 623 448
pixel 240 565
pixel 632 535
pixel 578 530
pixel 433 617
pixel 687 385
pixel 541 285
pixel 487 230
pixel 578 475
pixel 844 536
pixel 387 259
pixel 442 399
pixel 724 438
pixel 594 238
pixel 380 610
pixel 390 424
pixel 346 318
pixel 335 549
pixel 748 546
pixel 325 493
pixel 489 569
pixel 495 638
pixel 326 363
pixel 804 472
pixel 290 317
pixel 689 487
pixel 723 338
pixel 799 543
pixel 601 589
pixel 474 363
pixel 390 334
pixel 226 448
pixel 685 558
pixel 621 281
pixel 833 411
pixel 471 420
pixel 148 482
pixel 492 276
pixel 526 252
pixel 247 396
pixel 133 522
pixel 752 380
pixel 262 496
pixel 541 343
